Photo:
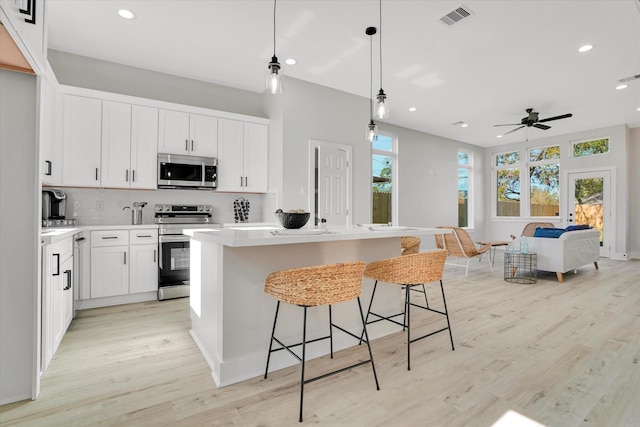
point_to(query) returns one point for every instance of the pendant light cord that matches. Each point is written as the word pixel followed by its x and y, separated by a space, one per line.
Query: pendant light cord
pixel 274 27
pixel 371 76
pixel 380 30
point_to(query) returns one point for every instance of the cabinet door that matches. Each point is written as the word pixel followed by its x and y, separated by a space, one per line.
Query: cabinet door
pixel 109 271
pixel 50 161
pixel 81 141
pixel 49 276
pixel 144 147
pixel 230 155
pixel 116 144
pixel 143 271
pixel 173 132
pixel 204 135
pixel 256 151
pixel 66 308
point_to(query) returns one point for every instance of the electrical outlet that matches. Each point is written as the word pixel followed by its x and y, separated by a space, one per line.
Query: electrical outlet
pixel 100 206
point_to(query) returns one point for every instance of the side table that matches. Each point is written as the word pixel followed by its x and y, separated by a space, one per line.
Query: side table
pixel 520 267
pixel 494 244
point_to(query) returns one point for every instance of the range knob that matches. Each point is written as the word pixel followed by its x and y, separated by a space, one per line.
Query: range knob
pixel 158 208
pixel 167 208
pixel 207 208
pixel 200 208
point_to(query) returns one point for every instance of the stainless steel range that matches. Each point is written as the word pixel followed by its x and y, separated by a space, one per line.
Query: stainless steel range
pixel 173 274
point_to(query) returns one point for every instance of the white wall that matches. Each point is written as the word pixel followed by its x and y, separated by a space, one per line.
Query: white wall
pixel 501 228
pixel 19 234
pixel 634 193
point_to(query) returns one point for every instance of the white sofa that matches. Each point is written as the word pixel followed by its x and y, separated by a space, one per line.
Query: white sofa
pixel 571 250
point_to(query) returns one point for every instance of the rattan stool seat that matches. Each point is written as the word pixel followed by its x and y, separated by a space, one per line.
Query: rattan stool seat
pixel 409 271
pixel 315 286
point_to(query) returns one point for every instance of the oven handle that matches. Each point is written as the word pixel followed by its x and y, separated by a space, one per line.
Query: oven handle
pixel 168 238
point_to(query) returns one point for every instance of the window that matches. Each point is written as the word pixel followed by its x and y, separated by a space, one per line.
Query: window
pixel 383 164
pixel 465 164
pixel 589 148
pixel 544 181
pixel 508 184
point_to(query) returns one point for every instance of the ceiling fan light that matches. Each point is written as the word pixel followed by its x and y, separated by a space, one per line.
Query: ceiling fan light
pixel 382 107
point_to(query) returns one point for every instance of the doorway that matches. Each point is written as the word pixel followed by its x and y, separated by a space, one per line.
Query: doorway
pixel 589 202
pixel 331 180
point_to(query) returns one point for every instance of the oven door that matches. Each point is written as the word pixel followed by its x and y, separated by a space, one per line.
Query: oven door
pixel 174 260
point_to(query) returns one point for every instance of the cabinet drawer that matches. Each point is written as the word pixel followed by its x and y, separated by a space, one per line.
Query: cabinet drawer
pixel 143 236
pixel 109 238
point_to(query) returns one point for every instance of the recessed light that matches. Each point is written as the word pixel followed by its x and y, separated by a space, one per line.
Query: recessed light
pixel 290 61
pixel 585 48
pixel 499 136
pixel 638 109
pixel 620 87
pixel 126 14
pixel 412 109
pixel 464 125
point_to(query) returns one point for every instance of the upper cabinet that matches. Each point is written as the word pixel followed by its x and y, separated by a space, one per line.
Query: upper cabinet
pixel 82 135
pixel 243 156
pixel 109 144
pixel 50 157
pixel 25 22
pixel 187 134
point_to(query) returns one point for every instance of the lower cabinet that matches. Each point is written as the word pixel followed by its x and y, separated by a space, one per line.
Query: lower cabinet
pixel 123 262
pixel 57 296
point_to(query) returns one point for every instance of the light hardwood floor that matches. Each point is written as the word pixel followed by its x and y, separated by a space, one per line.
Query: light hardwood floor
pixel 561 354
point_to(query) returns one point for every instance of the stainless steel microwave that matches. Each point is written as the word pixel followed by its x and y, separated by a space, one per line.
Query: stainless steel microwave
pixel 178 171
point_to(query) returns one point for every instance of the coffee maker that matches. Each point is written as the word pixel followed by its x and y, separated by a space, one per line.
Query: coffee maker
pixel 54 206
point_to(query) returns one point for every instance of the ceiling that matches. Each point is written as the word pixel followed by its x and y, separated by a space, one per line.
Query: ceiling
pixel 484 70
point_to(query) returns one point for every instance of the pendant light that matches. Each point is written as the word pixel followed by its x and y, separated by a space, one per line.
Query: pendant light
pixel 274 78
pixel 372 128
pixel 382 107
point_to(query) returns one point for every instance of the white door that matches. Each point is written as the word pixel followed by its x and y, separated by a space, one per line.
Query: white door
pixel 332 183
pixel 589 202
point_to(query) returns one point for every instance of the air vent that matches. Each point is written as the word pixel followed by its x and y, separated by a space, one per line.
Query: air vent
pixel 456 15
pixel 631 78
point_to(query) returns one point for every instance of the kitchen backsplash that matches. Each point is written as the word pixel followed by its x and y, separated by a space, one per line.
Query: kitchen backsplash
pixel 104 207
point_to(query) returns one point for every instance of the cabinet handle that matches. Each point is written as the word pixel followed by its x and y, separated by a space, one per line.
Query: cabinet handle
pixel 80 239
pixel 30 11
pixel 126 175
pixel 96 174
pixel 246 181
pixel 192 145
pixel 57 273
pixel 125 258
pixel 109 237
pixel 186 145
pixel 241 182
pixel 49 165
pixel 68 273
pixel 154 255
pixel 144 235
pixel 133 175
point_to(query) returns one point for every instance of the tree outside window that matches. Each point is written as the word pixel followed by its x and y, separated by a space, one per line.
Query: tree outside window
pixel 383 160
pixel 464 186
pixel 508 184
pixel 544 181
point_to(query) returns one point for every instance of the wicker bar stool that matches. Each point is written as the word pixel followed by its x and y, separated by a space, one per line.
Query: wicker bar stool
pixel 314 286
pixel 411 245
pixel 409 271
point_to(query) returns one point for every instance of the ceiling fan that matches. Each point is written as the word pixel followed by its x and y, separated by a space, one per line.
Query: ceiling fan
pixel 532 120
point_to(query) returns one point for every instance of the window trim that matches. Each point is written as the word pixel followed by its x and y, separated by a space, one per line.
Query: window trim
pixel 494 181
pixel 470 189
pixel 394 173
pixel 529 165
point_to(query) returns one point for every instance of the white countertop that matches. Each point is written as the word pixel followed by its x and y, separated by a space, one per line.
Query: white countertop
pixel 50 235
pixel 265 235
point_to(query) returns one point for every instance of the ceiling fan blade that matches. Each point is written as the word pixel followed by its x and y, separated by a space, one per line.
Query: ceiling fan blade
pixel 564 116
pixel 539 126
pixel 511 131
pixel 510 124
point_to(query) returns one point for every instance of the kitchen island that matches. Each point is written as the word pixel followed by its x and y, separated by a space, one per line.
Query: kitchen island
pixel 231 316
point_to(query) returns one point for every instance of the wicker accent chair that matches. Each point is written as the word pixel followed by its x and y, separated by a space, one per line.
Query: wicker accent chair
pixel 311 287
pixel 459 244
pixel 530 228
pixel 409 271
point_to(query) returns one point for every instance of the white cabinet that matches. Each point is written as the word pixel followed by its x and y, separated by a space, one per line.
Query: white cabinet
pixel 143 269
pixel 187 134
pixel 123 262
pixel 57 296
pixel 27 18
pixel 129 144
pixel 50 151
pixel 242 156
pixel 109 263
pixel 82 131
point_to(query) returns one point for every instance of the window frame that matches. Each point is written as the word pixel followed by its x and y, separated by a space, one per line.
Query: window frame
pixel 572 145
pixel 393 154
pixel 494 181
pixel 470 189
pixel 529 165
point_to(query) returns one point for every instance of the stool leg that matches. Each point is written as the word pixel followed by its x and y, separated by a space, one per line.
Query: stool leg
pixel 366 321
pixel 366 335
pixel 330 332
pixel 304 347
pixel 273 332
pixel 407 306
pixel 446 312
